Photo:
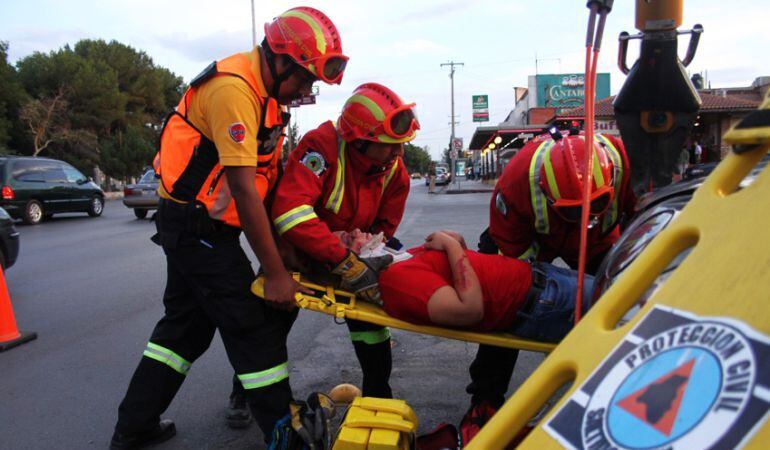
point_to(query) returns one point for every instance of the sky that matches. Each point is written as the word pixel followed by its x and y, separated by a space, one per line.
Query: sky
pixel 401 44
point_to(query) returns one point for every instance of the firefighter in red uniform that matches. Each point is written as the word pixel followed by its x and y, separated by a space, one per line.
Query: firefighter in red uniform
pixel 218 161
pixel 535 215
pixel 343 178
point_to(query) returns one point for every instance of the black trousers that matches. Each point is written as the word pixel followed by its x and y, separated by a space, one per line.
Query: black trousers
pixel 208 288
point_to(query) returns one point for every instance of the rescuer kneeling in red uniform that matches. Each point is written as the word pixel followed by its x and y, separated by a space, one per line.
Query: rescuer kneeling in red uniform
pixel 535 215
pixel 347 177
pixel 218 161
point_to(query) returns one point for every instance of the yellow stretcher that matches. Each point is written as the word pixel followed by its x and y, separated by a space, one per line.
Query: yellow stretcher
pixel 690 370
pixel 343 305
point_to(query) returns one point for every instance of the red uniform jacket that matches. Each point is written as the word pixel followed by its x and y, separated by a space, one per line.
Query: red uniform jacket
pixel 512 220
pixel 329 186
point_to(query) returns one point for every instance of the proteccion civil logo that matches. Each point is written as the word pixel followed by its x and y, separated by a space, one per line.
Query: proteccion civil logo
pixel 676 382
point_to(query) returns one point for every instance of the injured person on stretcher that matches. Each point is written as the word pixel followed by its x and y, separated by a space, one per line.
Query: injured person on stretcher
pixel 445 284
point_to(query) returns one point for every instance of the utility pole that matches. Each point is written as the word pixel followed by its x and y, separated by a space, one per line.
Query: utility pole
pixel 452 153
pixel 253 26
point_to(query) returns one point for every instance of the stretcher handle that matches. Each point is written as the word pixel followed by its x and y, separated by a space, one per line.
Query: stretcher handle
pixel 258 288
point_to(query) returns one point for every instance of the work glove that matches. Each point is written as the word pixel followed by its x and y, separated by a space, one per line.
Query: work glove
pixel 359 275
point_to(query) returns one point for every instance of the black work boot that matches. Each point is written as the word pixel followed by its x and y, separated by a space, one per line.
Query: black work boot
pixel 238 414
pixel 164 431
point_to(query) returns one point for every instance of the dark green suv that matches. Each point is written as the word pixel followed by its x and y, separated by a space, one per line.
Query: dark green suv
pixel 34 189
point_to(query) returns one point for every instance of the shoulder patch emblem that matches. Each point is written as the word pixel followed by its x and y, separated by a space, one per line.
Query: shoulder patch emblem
pixel 237 132
pixel 314 161
pixel 500 204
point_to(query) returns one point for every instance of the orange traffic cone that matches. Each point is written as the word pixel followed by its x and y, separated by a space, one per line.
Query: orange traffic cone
pixel 9 334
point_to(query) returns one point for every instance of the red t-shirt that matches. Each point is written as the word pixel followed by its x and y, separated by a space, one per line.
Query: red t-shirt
pixel 407 286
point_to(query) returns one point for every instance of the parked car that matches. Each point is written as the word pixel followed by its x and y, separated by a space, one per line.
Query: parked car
pixel 699 170
pixel 416 175
pixel 442 177
pixel 9 240
pixel 34 189
pixel 142 197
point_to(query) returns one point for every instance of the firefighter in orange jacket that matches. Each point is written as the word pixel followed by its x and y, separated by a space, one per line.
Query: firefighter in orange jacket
pixel 348 177
pixel 218 161
pixel 535 215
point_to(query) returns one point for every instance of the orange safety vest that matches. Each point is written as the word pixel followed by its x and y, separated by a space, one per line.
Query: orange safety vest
pixel 189 162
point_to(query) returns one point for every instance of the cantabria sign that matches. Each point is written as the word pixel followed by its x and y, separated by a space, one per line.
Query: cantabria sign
pixel 567 90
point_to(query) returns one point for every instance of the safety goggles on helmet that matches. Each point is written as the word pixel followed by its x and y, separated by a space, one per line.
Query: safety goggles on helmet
pixel 328 68
pixel 401 122
pixel 570 210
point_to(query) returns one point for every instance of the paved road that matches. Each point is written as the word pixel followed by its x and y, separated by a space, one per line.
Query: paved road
pixel 91 289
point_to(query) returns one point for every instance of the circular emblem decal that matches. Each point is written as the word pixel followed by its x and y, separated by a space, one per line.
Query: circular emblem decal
pixel 315 162
pixel 237 132
pixel 682 388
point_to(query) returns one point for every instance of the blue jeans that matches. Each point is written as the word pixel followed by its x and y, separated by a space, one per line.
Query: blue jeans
pixel 552 315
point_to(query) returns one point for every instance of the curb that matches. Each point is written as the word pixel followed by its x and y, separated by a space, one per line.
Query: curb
pixel 469 191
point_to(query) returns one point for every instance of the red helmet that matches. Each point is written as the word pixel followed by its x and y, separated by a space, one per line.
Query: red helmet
pixel 311 40
pixel 375 113
pixel 561 178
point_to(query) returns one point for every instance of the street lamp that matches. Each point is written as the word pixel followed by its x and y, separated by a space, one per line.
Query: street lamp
pixel 492 146
pixel 498 140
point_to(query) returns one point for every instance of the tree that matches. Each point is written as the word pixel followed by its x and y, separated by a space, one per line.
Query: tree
pixel 46 120
pixel 291 141
pixel 12 96
pixel 417 159
pixel 116 100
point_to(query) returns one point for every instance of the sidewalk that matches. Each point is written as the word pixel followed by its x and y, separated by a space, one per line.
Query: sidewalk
pixel 464 186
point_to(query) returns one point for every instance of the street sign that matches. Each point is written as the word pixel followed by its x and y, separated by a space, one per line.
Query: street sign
pixel 457 144
pixel 481 108
pixel 306 100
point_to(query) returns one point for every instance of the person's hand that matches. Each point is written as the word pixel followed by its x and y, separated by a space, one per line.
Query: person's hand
pixel 358 277
pixel 457 237
pixel 280 291
pixel 437 241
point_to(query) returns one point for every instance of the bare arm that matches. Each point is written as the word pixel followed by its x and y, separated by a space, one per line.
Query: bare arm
pixel 461 304
pixel 279 286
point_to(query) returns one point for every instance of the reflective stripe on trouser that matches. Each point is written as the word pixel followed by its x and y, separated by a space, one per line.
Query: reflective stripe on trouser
pixel 265 377
pixel 167 357
pixel 371 337
pixel 372 345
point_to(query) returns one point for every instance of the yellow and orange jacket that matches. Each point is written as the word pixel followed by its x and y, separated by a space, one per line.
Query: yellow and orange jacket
pixel 329 186
pixel 188 161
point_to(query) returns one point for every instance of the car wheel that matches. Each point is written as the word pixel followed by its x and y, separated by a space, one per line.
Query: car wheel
pixel 140 213
pixel 95 207
pixel 33 213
